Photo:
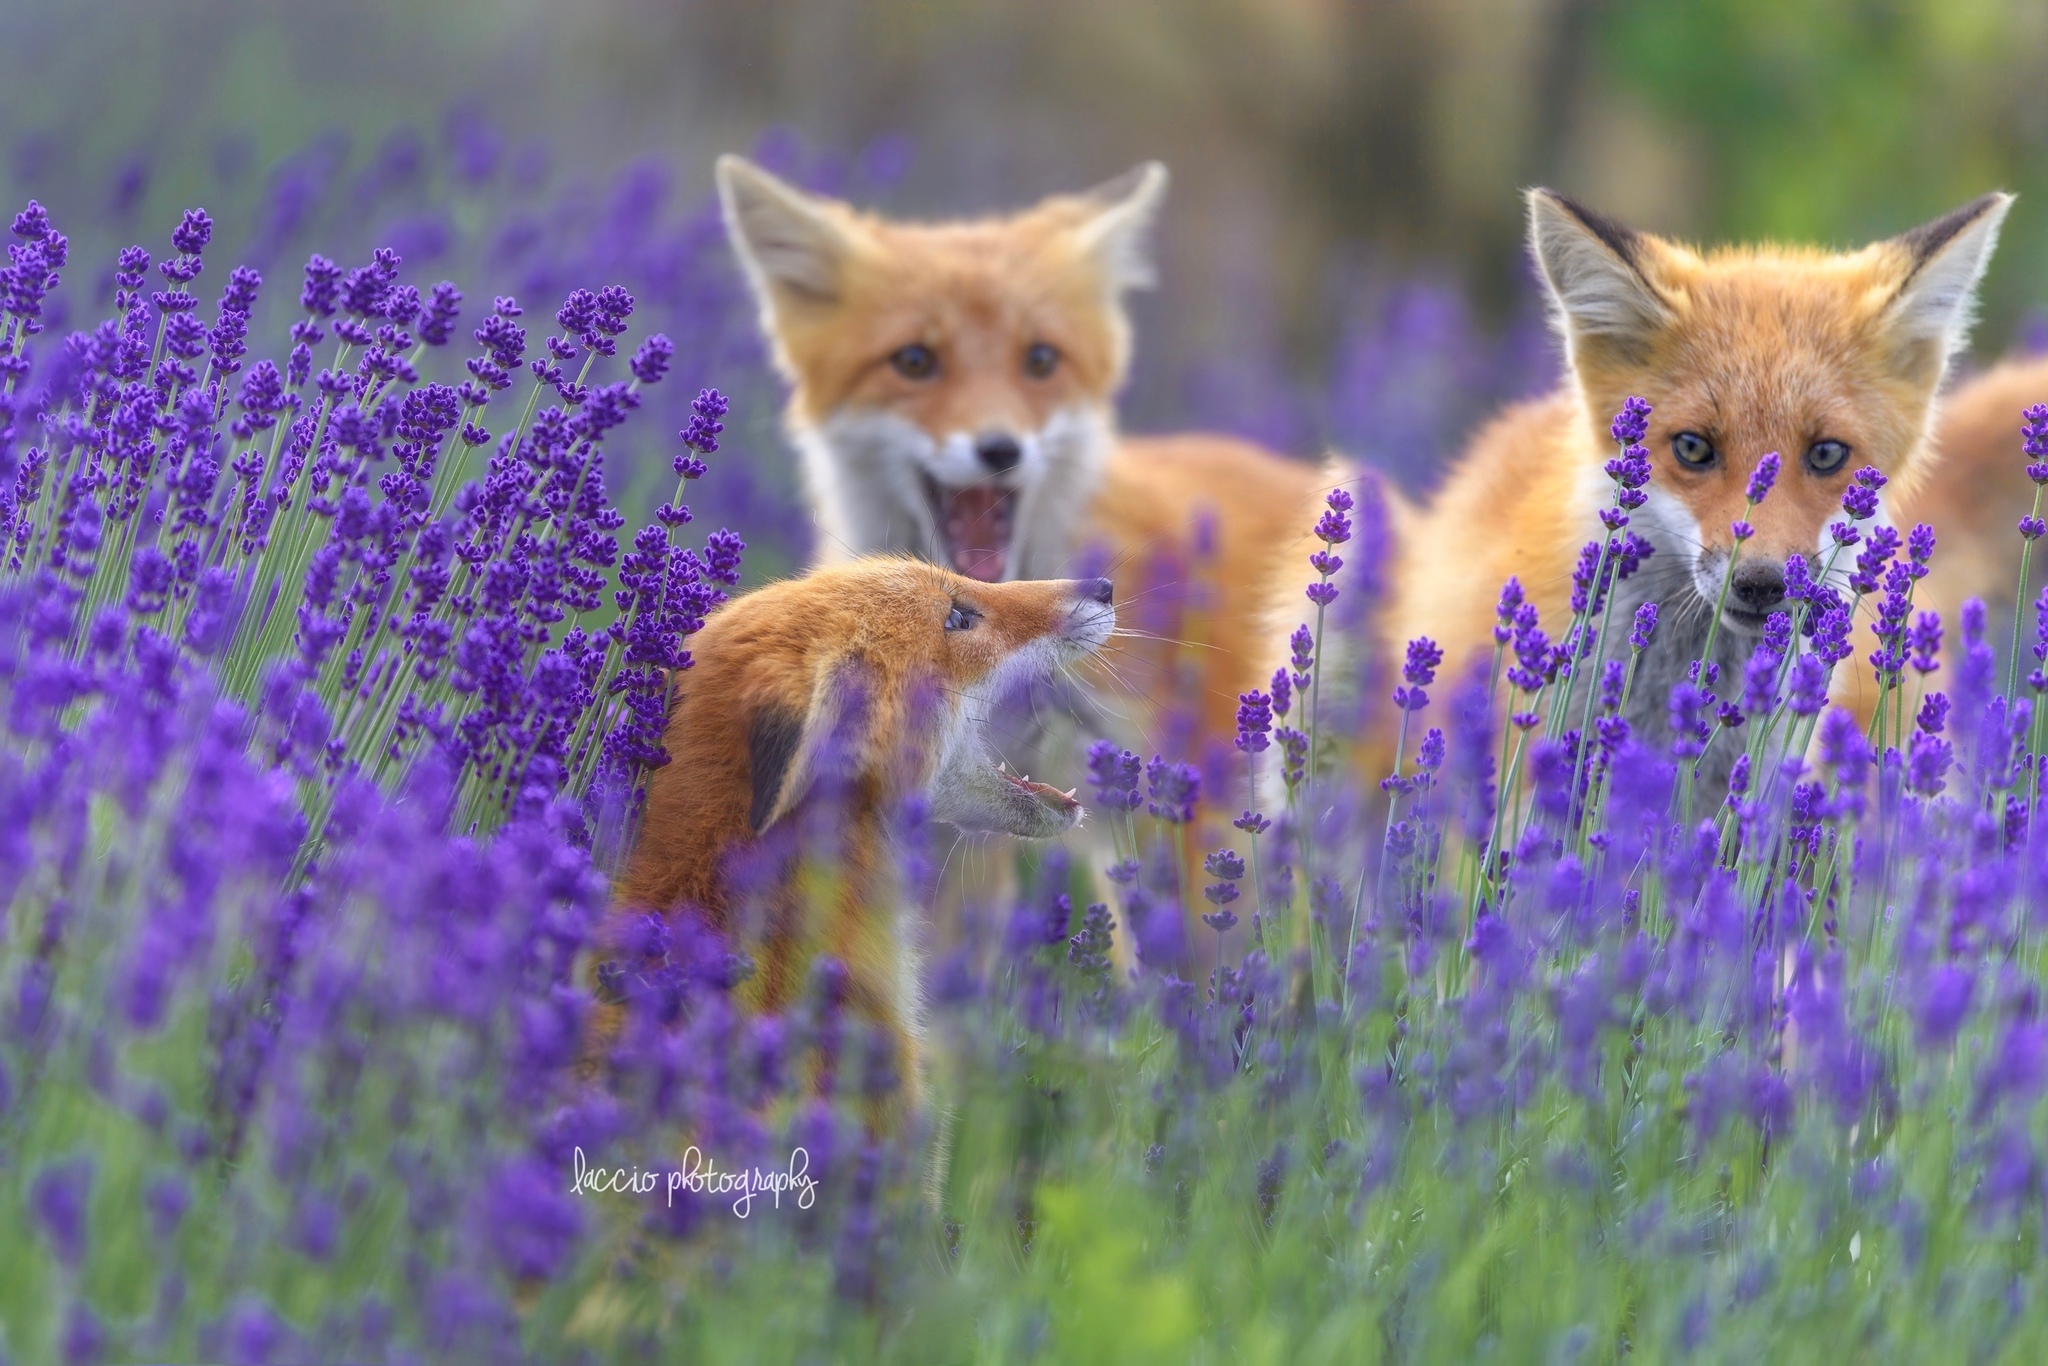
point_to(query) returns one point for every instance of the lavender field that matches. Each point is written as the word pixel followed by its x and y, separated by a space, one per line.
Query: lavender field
pixel 339 606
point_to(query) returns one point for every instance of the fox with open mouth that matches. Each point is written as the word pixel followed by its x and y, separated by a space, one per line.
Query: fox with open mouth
pixel 952 390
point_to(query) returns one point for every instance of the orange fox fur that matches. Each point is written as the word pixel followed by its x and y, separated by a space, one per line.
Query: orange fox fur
pixel 856 687
pixel 952 390
pixel 1750 350
pixel 1979 493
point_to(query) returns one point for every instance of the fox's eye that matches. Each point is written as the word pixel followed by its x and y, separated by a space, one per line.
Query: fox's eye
pixel 1040 360
pixel 961 618
pixel 1825 457
pixel 915 361
pixel 1693 450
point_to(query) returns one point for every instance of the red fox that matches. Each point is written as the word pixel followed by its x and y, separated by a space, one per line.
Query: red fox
pixel 952 391
pixel 846 692
pixel 1831 360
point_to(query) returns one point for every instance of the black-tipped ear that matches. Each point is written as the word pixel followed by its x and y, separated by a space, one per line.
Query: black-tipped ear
pixel 772 743
pixel 1593 267
pixel 790 753
pixel 1938 298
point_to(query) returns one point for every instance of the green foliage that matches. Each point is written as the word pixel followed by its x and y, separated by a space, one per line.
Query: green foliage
pixel 1842 121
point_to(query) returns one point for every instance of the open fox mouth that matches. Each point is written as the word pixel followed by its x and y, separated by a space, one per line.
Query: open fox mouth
pixel 974 527
pixel 1045 794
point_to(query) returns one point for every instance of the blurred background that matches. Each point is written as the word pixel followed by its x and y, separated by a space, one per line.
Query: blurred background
pixel 1341 252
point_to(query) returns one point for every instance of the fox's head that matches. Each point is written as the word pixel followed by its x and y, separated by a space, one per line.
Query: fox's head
pixel 873 678
pixel 951 382
pixel 1831 360
pixel 886 669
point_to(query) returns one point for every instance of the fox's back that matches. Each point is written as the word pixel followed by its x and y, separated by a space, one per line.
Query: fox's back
pixel 1211 528
pixel 1979 489
pixel 1511 505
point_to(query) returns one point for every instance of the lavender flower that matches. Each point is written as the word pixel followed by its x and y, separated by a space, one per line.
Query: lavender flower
pixel 1583 573
pixel 1293 754
pixel 1919 549
pixel 192 234
pixel 1334 527
pixel 1762 478
pixel 58 1197
pixel 1424 657
pixel 651 362
pixel 1927 763
pixel 1254 721
pixel 1738 780
pixel 2034 442
pixel 1613 681
pixel 1301 646
pixel 1874 559
pixel 1228 868
pixel 1535 665
pixel 1113 775
pixel 1630 471
pixel 1632 423
pixel 1171 790
pixel 1944 1003
pixel 1809 686
pixel 1760 679
pixel 1844 750
pixel 1859 500
pixel 1689 729
pixel 700 434
pixel 444 308
pixel 1924 641
pixel 1645 627
pixel 1504 613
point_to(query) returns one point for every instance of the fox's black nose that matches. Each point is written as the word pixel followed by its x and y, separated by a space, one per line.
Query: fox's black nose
pixel 1758 585
pixel 999 453
pixel 1097 590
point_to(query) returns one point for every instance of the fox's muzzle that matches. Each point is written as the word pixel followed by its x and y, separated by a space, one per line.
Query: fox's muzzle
pixel 1757 587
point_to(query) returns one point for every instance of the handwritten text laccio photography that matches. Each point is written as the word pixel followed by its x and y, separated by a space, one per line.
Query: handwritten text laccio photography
pixel 699 1174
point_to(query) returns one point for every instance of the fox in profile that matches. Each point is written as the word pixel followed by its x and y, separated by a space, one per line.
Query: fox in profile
pixel 952 396
pixel 1831 360
pixel 844 694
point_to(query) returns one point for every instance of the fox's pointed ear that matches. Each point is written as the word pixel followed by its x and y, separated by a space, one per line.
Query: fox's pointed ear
pixel 789 752
pixel 1593 268
pixel 785 238
pixel 1943 262
pixel 773 739
pixel 1118 232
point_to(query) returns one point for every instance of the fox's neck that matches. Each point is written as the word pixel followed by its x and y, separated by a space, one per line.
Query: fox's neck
pixel 1684 620
pixel 1683 623
pixel 841 895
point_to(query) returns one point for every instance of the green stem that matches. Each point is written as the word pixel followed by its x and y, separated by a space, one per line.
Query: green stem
pixel 1380 873
pixel 2019 603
